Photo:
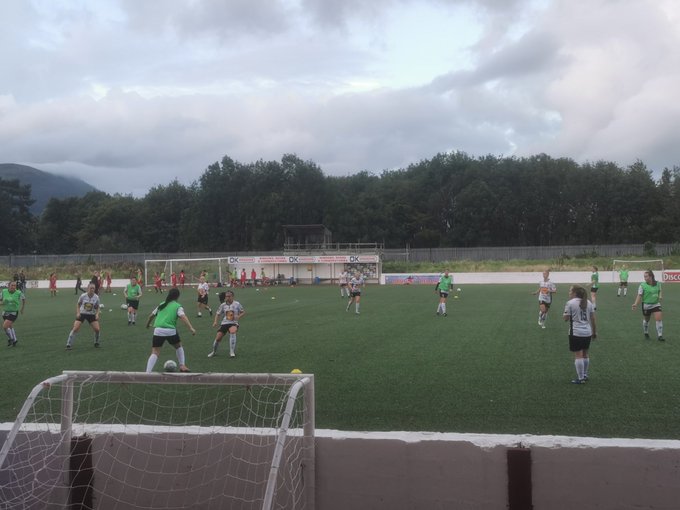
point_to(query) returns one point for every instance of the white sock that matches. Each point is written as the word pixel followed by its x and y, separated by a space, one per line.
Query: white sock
pixel 356 307
pixel 12 334
pixel 96 337
pixel 443 307
pixel 71 338
pixel 659 328
pixel 586 364
pixel 216 344
pixel 151 362
pixel 578 363
pixel 180 355
pixel 232 342
pixel 645 326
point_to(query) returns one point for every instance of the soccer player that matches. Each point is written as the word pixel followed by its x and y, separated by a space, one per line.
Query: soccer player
pixel 203 291
pixel 182 278
pixel 133 293
pixel 594 285
pixel 164 317
pixel 79 284
pixel 157 283
pixel 355 284
pixel 343 280
pixel 13 301
pixel 87 309
pixel 231 311
pixel 443 287
pixel 582 329
pixel 96 282
pixel 253 277
pixel 108 281
pixel 623 281
pixel 651 295
pixel 173 279
pixel 546 289
pixel 53 284
pixel 243 278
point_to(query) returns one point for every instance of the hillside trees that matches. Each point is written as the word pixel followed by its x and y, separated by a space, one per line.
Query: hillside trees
pixel 17 232
pixel 449 200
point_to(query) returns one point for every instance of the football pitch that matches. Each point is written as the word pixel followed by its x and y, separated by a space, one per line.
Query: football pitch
pixel 486 368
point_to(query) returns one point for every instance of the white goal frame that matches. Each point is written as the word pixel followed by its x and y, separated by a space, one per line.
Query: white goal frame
pixel 619 262
pixel 177 264
pixel 295 386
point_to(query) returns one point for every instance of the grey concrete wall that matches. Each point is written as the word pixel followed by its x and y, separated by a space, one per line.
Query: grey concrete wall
pixel 428 471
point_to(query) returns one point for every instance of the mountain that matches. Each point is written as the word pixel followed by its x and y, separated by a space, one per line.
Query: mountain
pixel 44 185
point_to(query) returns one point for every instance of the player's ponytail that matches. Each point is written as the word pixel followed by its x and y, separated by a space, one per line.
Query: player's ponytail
pixel 173 295
pixel 580 293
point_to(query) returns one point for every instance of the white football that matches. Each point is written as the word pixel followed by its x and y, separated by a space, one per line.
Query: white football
pixel 170 366
pixel 123 306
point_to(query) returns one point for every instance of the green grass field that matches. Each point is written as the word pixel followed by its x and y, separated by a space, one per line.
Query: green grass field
pixel 486 368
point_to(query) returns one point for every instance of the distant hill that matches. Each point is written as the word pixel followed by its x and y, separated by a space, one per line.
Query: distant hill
pixel 44 185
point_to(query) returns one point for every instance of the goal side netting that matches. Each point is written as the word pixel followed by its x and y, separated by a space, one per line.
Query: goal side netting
pixel 636 269
pixel 121 440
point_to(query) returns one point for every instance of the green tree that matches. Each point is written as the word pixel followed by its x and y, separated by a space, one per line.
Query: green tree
pixel 17 234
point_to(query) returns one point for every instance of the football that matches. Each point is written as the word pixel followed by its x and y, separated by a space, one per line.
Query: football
pixel 170 366
pixel 123 306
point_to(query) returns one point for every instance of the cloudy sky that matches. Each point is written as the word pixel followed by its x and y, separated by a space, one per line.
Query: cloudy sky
pixel 128 94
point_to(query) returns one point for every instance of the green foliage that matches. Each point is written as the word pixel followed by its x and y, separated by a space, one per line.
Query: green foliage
pixel 449 200
pixel 397 366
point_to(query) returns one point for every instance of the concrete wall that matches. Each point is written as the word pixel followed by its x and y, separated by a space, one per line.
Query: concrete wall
pixel 433 471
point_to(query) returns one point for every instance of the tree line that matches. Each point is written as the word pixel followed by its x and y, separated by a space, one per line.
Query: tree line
pixel 451 200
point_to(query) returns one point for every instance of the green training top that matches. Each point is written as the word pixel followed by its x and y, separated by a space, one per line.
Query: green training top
pixel 167 317
pixel 445 283
pixel 650 293
pixel 133 291
pixel 595 280
pixel 623 275
pixel 11 300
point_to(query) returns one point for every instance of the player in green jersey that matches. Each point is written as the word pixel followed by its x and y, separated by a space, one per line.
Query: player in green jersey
pixel 164 318
pixel 650 294
pixel 443 287
pixel 133 293
pixel 594 286
pixel 623 281
pixel 13 301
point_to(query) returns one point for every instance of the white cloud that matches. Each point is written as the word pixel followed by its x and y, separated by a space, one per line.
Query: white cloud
pixel 129 94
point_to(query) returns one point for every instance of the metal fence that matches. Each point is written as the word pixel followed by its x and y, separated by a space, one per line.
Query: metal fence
pixel 409 255
pixel 531 252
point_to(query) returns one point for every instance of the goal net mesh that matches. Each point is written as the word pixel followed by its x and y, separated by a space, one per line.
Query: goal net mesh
pixel 215 270
pixel 636 269
pixel 162 441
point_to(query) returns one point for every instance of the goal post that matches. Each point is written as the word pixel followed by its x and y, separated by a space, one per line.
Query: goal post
pixel 636 268
pixel 216 269
pixel 163 440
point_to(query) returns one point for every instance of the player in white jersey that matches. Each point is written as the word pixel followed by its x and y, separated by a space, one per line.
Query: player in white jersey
pixel 582 328
pixel 203 290
pixel 343 280
pixel 355 285
pixel 87 309
pixel 546 289
pixel 231 312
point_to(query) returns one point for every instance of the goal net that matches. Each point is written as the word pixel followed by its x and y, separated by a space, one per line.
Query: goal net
pixel 120 440
pixel 636 269
pixel 215 269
